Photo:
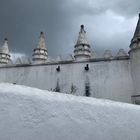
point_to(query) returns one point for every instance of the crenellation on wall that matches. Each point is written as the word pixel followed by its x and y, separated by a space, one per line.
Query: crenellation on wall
pixel 121 54
pixel 22 61
pixel 107 54
pixel 18 61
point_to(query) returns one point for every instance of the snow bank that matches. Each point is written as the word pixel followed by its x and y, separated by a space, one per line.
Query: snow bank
pixel 33 114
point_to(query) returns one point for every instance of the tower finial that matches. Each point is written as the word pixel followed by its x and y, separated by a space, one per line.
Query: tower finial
pixel 5 39
pixel 41 33
pixel 82 26
pixel 82 29
pixel 5 42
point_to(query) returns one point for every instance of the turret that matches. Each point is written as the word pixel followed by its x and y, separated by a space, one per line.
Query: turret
pixel 40 54
pixel 135 59
pixel 82 47
pixel 107 54
pixel 4 53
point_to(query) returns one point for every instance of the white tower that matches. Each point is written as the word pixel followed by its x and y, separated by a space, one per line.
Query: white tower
pixel 82 47
pixel 135 59
pixel 40 53
pixel 4 53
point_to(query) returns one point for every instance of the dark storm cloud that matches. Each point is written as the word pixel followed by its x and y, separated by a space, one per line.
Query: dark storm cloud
pixel 105 21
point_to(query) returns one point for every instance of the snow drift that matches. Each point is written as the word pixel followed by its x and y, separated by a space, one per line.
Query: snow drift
pixel 33 114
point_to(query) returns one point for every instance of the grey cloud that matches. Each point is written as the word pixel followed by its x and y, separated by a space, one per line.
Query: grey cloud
pixel 21 21
pixel 127 8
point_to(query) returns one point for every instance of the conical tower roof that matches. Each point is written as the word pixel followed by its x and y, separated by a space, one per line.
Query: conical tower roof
pixel 41 43
pixel 82 36
pixel 137 31
pixel 136 38
pixel 5 49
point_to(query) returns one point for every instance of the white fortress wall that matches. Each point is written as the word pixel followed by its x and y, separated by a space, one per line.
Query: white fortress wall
pixel 104 79
pixel 135 69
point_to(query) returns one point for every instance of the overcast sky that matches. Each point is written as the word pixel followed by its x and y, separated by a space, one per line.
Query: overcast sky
pixel 110 24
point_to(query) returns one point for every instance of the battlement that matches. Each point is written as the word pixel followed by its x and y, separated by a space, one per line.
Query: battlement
pixel 106 56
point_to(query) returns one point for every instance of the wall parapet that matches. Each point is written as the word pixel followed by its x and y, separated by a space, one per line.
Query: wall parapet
pixel 20 63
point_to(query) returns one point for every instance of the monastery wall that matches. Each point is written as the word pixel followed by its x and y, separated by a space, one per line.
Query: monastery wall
pixel 84 73
pixel 135 69
pixel 104 79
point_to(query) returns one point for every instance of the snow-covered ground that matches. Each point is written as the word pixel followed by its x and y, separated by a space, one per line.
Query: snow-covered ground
pixel 32 114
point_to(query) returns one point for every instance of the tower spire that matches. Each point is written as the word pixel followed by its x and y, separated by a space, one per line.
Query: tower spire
pixel 136 37
pixel 41 43
pixel 82 47
pixel 5 47
pixel 137 31
pixel 82 36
